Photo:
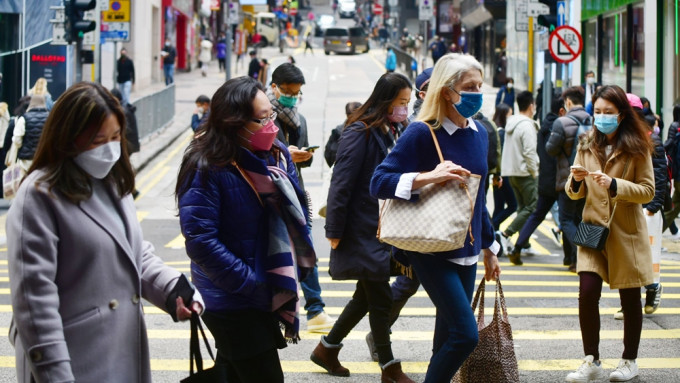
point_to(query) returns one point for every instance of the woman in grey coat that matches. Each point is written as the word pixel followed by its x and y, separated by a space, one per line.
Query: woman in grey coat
pixel 78 264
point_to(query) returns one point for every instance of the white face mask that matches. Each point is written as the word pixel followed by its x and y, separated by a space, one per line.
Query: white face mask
pixel 590 80
pixel 98 162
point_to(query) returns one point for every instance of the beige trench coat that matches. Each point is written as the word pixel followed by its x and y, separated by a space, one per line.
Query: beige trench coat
pixel 626 260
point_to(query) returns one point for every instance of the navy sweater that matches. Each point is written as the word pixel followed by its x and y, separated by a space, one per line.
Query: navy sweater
pixel 415 152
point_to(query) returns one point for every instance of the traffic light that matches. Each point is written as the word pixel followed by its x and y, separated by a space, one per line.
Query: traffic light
pixel 550 20
pixel 76 26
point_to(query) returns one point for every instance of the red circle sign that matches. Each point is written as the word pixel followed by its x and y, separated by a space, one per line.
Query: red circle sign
pixel 565 44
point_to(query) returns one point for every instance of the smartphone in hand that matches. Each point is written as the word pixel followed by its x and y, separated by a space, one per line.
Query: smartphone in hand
pixel 579 168
pixel 311 148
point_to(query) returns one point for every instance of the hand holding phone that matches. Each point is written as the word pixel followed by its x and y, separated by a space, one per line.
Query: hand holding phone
pixel 311 149
pixel 579 168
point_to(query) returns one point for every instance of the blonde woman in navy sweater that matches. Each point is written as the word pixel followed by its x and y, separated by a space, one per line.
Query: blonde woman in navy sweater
pixel 454 96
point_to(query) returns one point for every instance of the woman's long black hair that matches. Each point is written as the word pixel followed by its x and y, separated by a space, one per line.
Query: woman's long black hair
pixel 217 143
pixel 374 111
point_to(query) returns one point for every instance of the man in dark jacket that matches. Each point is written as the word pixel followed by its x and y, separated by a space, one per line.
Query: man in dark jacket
pixel 547 194
pixel 254 66
pixel 126 76
pixel 284 93
pixel 169 55
pixel 562 144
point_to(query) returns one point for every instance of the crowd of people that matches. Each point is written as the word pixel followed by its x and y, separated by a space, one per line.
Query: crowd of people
pixel 596 158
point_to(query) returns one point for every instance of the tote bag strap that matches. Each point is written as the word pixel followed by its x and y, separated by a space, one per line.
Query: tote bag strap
pixel 195 347
pixel 625 168
pixel 462 185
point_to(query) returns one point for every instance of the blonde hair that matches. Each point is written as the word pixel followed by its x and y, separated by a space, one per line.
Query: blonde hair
pixel 449 69
pixel 40 87
pixel 3 108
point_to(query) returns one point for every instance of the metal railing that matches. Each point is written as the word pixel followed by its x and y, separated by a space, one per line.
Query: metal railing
pixel 155 111
pixel 405 62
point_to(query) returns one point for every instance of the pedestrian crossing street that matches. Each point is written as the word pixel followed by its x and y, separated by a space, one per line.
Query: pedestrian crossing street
pixel 542 305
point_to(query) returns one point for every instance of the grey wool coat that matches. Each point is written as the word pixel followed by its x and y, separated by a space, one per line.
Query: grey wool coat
pixel 76 280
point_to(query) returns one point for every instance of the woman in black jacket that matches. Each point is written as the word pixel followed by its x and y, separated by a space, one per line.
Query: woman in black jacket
pixel 352 223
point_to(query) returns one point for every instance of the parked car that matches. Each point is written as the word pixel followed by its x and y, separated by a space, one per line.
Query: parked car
pixel 347 8
pixel 323 22
pixel 345 40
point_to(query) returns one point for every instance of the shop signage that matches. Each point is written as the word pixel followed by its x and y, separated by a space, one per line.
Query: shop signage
pixel 565 44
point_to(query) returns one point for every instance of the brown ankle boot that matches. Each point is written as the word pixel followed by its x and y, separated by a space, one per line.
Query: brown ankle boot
pixel 392 373
pixel 326 356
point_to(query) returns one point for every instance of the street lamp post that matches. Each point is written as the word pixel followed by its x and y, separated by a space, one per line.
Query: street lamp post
pixel 228 37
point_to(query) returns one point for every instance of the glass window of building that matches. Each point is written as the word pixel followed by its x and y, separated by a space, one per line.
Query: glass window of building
pixel 637 61
pixel 591 49
pixel 613 49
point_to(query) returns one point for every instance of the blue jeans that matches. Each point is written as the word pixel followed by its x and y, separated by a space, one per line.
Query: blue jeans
pixel 125 88
pixel 402 288
pixel 169 72
pixel 450 287
pixel 312 291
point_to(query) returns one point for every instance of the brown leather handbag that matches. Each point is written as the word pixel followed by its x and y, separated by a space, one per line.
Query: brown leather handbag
pixel 494 358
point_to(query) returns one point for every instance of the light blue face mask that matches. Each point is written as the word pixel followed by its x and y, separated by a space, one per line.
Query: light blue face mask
pixel 607 123
pixel 470 103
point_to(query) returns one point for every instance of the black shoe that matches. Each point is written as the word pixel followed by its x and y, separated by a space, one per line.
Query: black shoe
pixel 557 234
pixel 515 258
pixel 499 239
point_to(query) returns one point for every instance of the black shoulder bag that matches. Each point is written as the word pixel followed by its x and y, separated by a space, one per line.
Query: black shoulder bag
pixel 595 236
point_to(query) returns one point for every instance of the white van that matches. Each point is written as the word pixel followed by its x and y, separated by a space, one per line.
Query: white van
pixel 268 27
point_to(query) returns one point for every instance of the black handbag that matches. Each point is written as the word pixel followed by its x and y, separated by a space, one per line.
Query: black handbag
pixel 595 236
pixel 591 236
pixel 216 374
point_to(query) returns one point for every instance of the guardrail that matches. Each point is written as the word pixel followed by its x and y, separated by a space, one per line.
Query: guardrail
pixel 155 111
pixel 405 62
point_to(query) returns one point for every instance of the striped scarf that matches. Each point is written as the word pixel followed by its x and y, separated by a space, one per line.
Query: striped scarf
pixel 290 251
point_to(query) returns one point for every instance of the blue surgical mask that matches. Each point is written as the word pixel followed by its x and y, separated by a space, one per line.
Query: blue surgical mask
pixel 607 123
pixel 470 103
pixel 288 101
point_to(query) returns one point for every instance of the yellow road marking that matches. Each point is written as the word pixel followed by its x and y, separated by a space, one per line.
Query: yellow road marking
pixel 153 182
pixel 298 366
pixel 141 215
pixel 177 148
pixel 177 243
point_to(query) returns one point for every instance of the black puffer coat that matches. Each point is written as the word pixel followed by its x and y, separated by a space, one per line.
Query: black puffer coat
pixel 660 176
pixel 547 168
pixel 35 120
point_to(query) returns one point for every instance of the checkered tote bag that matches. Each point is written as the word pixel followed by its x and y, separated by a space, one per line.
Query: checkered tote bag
pixel 438 221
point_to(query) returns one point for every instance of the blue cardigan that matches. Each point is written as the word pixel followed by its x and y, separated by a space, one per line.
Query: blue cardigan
pixel 415 152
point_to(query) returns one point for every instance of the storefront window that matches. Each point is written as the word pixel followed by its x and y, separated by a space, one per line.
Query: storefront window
pixel 590 40
pixel 638 59
pixel 613 49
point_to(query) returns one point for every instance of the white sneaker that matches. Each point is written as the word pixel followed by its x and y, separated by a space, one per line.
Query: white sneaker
pixel 587 372
pixel 626 371
pixel 675 237
pixel 618 315
pixel 322 323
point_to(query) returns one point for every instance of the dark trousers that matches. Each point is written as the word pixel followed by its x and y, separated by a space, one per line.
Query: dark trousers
pixel 590 290
pixel 526 192
pixel 543 206
pixel 259 362
pixel 501 197
pixel 374 298
pixel 571 212
pixel 403 288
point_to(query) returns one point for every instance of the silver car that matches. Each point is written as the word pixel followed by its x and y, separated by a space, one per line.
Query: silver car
pixel 345 40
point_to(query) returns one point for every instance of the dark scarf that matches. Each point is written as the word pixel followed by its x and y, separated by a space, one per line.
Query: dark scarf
pixel 290 251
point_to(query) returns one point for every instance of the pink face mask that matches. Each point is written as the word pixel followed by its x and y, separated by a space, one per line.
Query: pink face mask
pixel 264 138
pixel 399 114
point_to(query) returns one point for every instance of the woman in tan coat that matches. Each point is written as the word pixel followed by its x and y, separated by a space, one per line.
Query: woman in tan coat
pixel 613 172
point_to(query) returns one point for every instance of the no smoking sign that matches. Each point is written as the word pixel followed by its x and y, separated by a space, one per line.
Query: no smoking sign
pixel 565 44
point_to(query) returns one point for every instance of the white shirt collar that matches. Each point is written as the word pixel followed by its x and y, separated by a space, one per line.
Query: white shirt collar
pixel 451 128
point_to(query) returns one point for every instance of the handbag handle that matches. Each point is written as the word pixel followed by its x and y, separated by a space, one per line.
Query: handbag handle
pixel 501 314
pixel 194 345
